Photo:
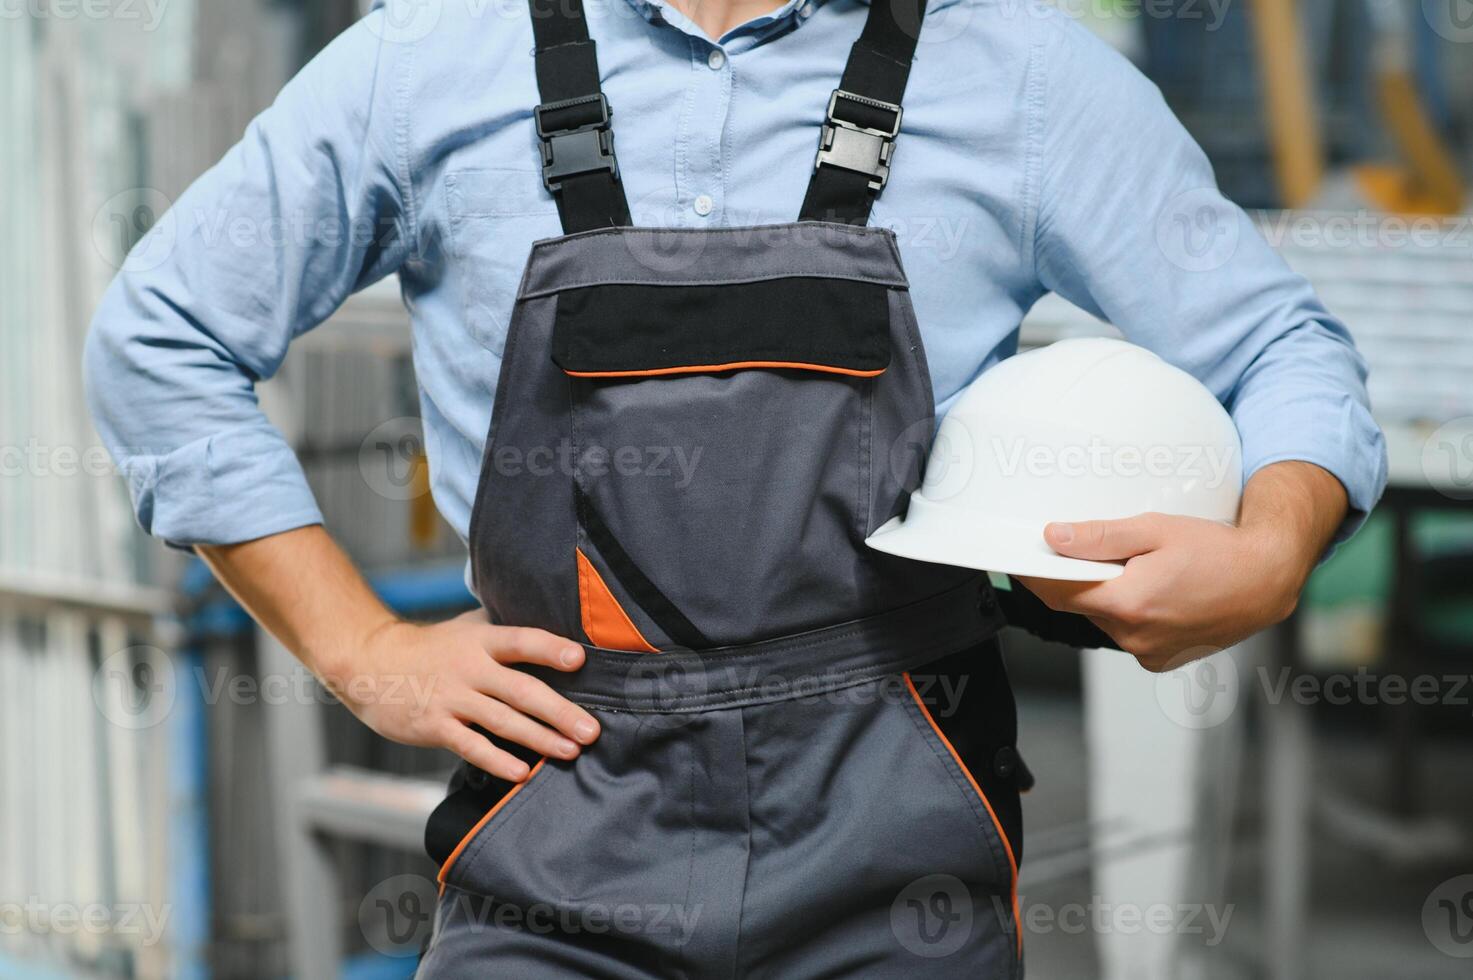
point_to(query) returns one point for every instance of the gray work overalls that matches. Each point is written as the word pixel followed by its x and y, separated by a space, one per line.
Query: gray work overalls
pixel 806 766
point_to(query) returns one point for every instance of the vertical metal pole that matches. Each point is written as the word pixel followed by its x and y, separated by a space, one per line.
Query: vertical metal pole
pixel 297 752
pixel 189 824
pixel 1288 772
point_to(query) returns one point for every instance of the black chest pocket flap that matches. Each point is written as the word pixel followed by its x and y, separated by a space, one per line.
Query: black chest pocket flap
pixel 625 330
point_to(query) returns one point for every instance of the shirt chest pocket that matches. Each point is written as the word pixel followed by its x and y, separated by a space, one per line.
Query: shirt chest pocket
pixel 494 217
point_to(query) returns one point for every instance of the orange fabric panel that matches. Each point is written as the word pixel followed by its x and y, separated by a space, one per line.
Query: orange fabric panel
pixel 455 854
pixel 1007 844
pixel 730 366
pixel 604 620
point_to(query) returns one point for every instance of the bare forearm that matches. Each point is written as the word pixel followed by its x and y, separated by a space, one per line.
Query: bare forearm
pixel 1294 509
pixel 439 684
pixel 303 588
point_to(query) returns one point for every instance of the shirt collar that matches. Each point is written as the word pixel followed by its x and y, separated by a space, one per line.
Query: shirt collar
pixel 656 11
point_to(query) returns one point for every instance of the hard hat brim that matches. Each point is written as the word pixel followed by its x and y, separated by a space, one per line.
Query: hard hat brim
pixel 990 545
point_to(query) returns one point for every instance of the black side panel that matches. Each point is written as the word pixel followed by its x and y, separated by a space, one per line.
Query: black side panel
pixel 651 598
pixel 971 701
pixel 472 794
pixel 1026 611
pixel 639 329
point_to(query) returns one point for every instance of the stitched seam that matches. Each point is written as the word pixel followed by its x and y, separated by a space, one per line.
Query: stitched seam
pixel 784 647
pixel 631 706
pixel 754 353
pixel 733 281
pixel 402 144
pixel 736 953
pixel 469 855
pixel 954 774
pixel 463 214
pixel 1032 154
pixel 583 590
pixel 852 231
pixel 862 495
pixel 833 681
pixel 690 826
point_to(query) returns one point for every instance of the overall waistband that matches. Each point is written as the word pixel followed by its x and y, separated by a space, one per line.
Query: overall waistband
pixel 799 666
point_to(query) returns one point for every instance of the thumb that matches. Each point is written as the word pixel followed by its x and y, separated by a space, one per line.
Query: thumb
pixel 1105 540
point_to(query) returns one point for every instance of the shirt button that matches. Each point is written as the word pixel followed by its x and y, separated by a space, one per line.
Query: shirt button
pixel 716 60
pixel 704 204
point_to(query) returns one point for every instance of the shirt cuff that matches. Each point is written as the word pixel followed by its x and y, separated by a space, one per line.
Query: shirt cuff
pixel 1338 436
pixel 233 486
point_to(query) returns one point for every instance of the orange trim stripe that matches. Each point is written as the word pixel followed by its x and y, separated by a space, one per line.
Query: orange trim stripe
pixel 604 620
pixel 455 854
pixel 1007 845
pixel 729 366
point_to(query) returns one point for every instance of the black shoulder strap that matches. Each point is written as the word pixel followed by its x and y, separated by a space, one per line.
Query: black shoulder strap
pixel 863 118
pixel 578 163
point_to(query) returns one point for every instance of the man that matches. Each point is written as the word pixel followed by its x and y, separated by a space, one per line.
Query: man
pixel 793 800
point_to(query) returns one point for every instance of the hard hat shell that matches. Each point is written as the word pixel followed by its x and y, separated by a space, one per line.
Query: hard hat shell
pixel 1086 429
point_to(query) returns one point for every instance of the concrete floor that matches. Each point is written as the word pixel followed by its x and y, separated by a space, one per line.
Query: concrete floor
pixel 1366 917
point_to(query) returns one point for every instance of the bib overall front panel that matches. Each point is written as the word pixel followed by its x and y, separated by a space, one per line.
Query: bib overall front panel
pixel 806 763
pixel 712 429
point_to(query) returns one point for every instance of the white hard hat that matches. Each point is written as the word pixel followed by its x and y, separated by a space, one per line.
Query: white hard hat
pixel 1088 429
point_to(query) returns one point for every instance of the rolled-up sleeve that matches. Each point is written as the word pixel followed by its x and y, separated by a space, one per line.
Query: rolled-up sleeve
pixel 1131 227
pixel 303 211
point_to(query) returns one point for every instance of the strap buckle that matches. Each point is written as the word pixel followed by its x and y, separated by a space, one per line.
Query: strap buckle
pixel 862 149
pixel 585 148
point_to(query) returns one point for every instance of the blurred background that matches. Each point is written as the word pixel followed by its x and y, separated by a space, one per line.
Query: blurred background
pixel 177 798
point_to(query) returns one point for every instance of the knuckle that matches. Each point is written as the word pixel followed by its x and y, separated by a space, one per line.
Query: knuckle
pixel 518 687
pixel 1095 533
pixel 533 641
pixel 494 715
pixel 1135 610
pixel 1127 612
pixel 457 738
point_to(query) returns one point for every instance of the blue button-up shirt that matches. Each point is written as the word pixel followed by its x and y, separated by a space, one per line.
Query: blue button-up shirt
pixel 1032 158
